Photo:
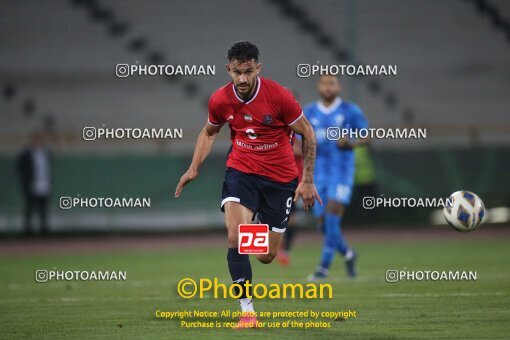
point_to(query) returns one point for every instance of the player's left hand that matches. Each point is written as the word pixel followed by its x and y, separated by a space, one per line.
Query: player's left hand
pixel 308 193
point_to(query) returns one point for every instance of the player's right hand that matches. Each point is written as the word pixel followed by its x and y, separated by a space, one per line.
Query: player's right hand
pixel 188 176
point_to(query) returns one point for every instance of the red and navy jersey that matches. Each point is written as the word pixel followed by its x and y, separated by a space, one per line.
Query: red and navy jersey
pixel 259 128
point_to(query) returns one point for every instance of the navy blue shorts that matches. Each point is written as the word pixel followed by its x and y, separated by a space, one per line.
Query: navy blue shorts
pixel 270 201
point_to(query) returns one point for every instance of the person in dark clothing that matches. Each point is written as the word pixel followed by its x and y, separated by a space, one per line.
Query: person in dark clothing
pixel 35 169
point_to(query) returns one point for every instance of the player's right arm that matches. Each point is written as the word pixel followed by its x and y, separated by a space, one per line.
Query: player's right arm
pixel 203 147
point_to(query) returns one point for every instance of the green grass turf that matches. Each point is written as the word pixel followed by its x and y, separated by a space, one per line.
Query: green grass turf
pixel 435 310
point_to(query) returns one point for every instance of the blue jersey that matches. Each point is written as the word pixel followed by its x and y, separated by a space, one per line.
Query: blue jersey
pixel 333 164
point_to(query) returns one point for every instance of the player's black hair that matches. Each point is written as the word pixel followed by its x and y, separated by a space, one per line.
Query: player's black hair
pixel 243 51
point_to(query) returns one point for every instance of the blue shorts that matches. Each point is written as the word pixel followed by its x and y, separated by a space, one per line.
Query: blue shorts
pixel 270 201
pixel 337 191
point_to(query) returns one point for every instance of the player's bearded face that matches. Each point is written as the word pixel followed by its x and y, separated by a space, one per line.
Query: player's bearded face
pixel 329 88
pixel 244 75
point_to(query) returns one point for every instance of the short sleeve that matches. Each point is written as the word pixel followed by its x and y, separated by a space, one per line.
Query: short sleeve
pixel 307 111
pixel 358 120
pixel 214 117
pixel 290 110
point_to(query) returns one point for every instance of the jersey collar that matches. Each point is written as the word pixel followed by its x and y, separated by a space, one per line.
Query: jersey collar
pixel 327 110
pixel 254 95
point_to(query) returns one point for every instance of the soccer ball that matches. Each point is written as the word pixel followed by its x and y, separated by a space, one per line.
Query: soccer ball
pixel 464 211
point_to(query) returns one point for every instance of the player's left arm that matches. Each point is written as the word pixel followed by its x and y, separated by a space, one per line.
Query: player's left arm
pixel 306 189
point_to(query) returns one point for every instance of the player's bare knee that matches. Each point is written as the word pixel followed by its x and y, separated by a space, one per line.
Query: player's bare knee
pixel 266 258
pixel 334 208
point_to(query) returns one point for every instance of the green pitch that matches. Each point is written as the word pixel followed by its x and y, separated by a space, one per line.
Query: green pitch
pixel 384 310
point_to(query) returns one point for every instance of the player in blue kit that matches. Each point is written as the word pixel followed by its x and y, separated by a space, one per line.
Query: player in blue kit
pixel 334 168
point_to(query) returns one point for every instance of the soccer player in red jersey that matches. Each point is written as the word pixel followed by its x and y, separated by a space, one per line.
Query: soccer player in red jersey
pixel 261 176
